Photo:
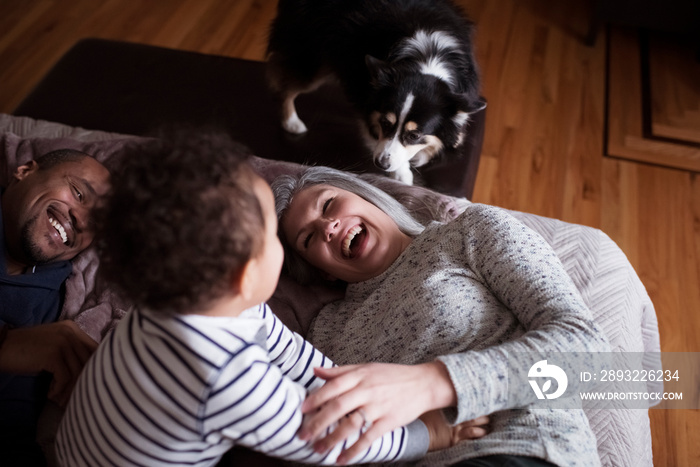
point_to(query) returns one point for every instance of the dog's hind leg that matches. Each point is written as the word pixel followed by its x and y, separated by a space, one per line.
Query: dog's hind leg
pixel 288 82
pixel 290 120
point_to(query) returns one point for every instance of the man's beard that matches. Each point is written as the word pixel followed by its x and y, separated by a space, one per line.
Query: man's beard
pixel 30 248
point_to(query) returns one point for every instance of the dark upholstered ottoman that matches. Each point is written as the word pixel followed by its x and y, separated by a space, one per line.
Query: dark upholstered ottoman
pixel 134 88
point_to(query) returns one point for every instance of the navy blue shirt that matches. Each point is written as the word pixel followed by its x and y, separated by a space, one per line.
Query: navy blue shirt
pixel 26 300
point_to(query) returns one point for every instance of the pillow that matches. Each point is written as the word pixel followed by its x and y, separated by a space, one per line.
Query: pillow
pixel 88 301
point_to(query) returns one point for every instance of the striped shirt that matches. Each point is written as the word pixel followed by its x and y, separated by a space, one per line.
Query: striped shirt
pixel 167 389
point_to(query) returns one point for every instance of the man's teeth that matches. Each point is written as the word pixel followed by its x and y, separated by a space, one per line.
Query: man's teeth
pixel 59 228
pixel 349 238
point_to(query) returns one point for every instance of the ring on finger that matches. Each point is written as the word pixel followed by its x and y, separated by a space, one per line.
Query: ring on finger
pixel 366 423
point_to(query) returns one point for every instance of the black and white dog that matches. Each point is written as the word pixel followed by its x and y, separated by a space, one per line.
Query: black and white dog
pixel 406 65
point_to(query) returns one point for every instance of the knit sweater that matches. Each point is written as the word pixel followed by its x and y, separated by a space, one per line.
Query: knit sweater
pixel 481 293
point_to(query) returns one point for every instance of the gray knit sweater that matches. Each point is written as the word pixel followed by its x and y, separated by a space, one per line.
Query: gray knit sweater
pixel 480 293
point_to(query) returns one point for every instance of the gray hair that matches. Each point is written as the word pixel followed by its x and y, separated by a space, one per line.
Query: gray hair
pixel 286 187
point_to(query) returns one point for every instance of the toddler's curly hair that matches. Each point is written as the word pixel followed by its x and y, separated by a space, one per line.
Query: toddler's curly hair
pixel 180 222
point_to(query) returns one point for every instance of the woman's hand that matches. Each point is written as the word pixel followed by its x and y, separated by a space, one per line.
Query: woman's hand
pixel 388 395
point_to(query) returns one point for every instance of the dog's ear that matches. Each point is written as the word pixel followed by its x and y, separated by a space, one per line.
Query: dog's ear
pixel 476 105
pixel 466 103
pixel 378 71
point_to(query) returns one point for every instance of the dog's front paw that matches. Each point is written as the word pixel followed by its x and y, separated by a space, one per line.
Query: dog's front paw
pixel 403 174
pixel 294 125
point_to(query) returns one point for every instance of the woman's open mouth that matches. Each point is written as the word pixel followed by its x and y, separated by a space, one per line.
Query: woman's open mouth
pixel 352 241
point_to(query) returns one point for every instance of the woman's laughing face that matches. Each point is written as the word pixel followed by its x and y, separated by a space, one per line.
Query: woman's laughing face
pixel 341 234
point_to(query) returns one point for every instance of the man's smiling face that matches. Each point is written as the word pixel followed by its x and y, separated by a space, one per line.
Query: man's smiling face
pixel 48 213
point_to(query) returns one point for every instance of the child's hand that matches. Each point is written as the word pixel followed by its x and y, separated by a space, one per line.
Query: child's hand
pixel 443 435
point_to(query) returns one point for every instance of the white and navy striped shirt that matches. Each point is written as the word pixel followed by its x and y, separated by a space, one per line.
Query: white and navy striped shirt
pixel 166 389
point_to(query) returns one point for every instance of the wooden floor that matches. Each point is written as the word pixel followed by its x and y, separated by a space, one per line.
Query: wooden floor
pixel 544 146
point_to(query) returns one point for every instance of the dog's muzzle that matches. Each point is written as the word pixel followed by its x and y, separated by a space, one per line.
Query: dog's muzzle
pixel 383 161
